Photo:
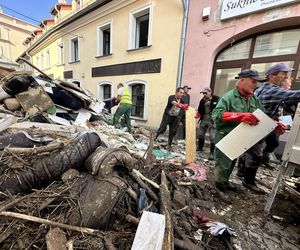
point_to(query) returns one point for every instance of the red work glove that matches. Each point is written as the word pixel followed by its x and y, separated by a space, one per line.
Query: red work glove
pixel 197 115
pixel 280 129
pixel 182 106
pixel 248 118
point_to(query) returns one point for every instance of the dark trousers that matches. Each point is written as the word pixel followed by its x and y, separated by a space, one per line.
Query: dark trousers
pixel 272 142
pixel 224 166
pixel 173 122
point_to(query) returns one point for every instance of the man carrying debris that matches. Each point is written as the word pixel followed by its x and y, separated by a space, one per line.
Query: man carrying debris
pixel 186 100
pixel 125 106
pixel 234 107
pixel 205 108
pixel 171 115
pixel 272 97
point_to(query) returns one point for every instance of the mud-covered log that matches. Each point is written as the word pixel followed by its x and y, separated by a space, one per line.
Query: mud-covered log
pixel 165 209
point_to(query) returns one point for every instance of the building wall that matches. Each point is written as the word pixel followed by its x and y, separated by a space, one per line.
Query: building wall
pixel 12 34
pixel 205 39
pixel 165 46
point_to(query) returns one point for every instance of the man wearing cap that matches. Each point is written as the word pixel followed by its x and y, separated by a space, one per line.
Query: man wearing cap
pixel 186 100
pixel 205 108
pixel 234 107
pixel 272 96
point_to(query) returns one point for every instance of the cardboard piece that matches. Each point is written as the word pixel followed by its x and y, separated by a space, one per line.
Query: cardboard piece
pixel 190 138
pixel 150 232
pixel 244 136
pixel 35 100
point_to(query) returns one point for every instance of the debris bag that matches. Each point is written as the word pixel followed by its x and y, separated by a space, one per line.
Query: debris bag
pixel 50 168
pixel 66 99
pixel 17 84
pixel 105 161
pixel 97 200
pixel 20 140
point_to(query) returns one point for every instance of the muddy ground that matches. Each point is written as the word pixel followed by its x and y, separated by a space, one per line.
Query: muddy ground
pixel 243 211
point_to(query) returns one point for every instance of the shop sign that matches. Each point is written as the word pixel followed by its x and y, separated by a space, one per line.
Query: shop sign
pixel 233 8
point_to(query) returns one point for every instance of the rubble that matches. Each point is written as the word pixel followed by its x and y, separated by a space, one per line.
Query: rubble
pixel 87 185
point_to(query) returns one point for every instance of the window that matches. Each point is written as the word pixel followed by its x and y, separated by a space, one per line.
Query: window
pixel 279 43
pixel 60 54
pixel 140 28
pixel 104 41
pixel 47 59
pixel 78 4
pixel 37 61
pixel 258 52
pixel 42 61
pixel 104 90
pixel 1 51
pixel 237 51
pixel 74 53
pixel 138 100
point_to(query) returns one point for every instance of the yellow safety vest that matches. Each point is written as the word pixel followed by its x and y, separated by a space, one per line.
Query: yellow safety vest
pixel 126 97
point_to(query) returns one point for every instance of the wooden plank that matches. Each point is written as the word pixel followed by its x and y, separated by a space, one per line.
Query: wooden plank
pixel 190 138
pixel 150 232
pixel 244 136
pixel 6 122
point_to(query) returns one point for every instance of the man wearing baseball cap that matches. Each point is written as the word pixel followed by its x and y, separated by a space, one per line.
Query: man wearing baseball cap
pixel 272 96
pixel 236 106
pixel 205 108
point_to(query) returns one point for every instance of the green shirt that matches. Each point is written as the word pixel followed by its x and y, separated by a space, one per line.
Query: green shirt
pixel 232 101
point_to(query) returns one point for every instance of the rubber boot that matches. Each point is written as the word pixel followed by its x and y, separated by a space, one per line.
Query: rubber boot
pixel 241 167
pixel 249 181
pixel 200 144
pixel 211 151
pixel 266 158
pixel 170 139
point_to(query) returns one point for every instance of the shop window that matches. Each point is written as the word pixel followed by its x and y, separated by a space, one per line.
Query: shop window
pixel 235 52
pixel 225 80
pixel 275 44
pixel 74 46
pixel 140 28
pixel 104 39
pixel 60 54
pixel 138 100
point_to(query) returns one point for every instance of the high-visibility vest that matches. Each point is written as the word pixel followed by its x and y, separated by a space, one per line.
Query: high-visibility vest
pixel 126 97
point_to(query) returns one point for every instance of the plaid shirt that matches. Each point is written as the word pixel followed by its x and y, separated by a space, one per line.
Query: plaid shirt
pixel 273 96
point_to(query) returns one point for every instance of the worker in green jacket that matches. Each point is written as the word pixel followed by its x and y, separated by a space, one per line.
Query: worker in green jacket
pixel 125 106
pixel 234 107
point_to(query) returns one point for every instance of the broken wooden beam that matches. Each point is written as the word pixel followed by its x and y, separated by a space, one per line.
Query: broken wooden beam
pixel 35 150
pixel 86 230
pixel 165 209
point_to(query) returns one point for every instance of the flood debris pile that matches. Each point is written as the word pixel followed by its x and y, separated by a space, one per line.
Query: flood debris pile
pixel 69 180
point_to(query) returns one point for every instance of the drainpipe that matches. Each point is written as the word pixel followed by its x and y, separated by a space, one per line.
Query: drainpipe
pixel 185 4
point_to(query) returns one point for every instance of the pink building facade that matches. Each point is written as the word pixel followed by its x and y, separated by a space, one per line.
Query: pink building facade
pixel 224 37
